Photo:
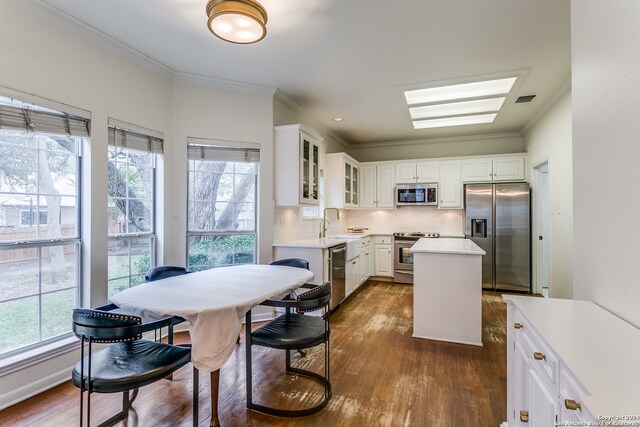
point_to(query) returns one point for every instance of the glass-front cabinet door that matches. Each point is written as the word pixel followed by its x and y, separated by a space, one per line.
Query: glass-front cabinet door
pixel 354 185
pixel 309 171
pixel 347 183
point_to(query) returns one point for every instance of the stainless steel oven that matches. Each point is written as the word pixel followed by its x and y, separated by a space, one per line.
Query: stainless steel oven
pixel 403 258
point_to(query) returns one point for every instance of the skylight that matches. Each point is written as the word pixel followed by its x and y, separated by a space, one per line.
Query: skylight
pixel 457 108
pixel 454 121
pixel 457 105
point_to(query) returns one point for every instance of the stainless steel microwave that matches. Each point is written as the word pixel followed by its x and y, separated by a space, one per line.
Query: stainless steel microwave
pixel 416 194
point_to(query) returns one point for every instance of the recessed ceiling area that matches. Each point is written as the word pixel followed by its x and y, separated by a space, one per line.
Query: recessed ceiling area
pixel 356 59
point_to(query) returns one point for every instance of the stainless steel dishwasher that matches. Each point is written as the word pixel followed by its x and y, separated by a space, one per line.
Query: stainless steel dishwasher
pixel 337 259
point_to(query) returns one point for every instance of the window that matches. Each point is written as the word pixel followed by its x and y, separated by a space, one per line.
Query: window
pixel 131 206
pixel 222 187
pixel 30 218
pixel 39 223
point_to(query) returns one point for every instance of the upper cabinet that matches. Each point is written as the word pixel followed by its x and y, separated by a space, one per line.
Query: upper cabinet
pixel 493 169
pixel 376 185
pixel 342 181
pixel 450 186
pixel 298 153
pixel 420 172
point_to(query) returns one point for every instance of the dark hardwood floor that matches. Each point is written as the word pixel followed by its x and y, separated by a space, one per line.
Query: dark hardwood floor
pixel 381 376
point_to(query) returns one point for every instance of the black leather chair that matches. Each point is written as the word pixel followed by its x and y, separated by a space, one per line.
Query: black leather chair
pixel 293 331
pixel 127 364
pixel 292 262
pixel 163 272
pixel 297 263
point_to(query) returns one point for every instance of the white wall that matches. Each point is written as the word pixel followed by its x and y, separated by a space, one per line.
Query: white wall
pixel 550 140
pixel 219 114
pixel 48 58
pixel 289 224
pixel 447 222
pixel 606 152
pixel 449 147
pixel 285 112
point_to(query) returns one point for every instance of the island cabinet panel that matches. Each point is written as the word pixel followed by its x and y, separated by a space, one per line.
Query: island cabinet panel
pixel 447 290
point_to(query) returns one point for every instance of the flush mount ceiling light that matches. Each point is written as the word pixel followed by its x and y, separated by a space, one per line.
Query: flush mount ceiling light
pixel 237 21
pixel 337 119
pixel 459 104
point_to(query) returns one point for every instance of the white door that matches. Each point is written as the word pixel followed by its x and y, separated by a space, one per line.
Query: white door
pixel 450 186
pixel 383 263
pixel 405 173
pixel 427 172
pixel 385 184
pixel 508 168
pixel 542 402
pixel 477 170
pixel 368 187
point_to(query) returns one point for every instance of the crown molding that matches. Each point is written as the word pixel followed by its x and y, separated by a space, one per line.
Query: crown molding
pixel 222 83
pixel 280 96
pixel 485 137
pixel 138 57
pixel 558 94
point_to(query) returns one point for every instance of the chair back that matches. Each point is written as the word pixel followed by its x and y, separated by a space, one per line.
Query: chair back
pixel 292 262
pixel 164 271
pixel 105 327
pixel 314 298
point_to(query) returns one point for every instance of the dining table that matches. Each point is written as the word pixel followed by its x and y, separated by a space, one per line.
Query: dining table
pixel 214 302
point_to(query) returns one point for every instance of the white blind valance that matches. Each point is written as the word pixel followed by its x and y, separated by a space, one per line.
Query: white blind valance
pixel 221 153
pixel 136 141
pixel 49 122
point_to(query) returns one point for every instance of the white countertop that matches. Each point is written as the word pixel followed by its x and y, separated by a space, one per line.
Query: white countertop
pixel 310 243
pixel 447 246
pixel 598 347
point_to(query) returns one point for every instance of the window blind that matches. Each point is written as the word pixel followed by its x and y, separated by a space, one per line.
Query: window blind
pixel 136 141
pixel 220 153
pixel 49 121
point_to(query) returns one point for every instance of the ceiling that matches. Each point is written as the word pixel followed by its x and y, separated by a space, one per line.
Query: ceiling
pixel 354 58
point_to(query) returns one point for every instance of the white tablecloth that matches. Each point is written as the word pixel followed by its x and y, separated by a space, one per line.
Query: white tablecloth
pixel 213 301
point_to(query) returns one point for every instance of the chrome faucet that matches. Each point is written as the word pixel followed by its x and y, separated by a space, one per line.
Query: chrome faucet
pixel 325 223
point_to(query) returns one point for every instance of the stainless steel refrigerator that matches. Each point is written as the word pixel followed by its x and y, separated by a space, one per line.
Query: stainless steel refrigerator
pixel 498 220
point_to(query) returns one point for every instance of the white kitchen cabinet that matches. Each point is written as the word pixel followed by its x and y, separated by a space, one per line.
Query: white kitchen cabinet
pixel 588 379
pixel 298 154
pixel 352 274
pixel 493 169
pixel 367 260
pixel 421 172
pixel 377 186
pixel 383 256
pixel 450 185
pixel 342 181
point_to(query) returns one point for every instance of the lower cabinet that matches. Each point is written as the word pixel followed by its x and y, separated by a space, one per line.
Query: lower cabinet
pixel 383 256
pixel 542 391
pixel 353 274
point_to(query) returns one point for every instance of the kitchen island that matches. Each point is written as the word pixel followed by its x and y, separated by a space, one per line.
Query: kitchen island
pixel 447 290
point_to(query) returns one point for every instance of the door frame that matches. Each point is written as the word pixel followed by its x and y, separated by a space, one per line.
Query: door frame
pixel 537 221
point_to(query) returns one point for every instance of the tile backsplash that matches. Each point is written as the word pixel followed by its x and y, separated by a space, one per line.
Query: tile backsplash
pixel 289 224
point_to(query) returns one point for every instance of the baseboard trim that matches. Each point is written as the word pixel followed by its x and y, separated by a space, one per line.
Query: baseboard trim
pixel 23 393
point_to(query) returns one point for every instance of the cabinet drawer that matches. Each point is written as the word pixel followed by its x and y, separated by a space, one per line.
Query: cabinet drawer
pixel 571 391
pixel 540 355
pixel 382 240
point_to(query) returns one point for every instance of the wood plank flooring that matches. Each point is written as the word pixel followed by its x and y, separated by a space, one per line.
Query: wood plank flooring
pixel 381 376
